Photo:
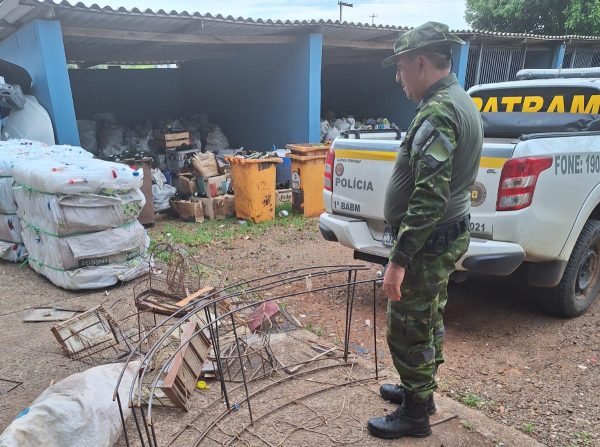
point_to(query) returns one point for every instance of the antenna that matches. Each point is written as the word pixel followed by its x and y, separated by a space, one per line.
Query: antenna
pixel 373 19
pixel 341 4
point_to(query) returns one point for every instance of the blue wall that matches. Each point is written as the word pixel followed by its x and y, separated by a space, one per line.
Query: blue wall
pixel 263 96
pixel 559 56
pixel 38 47
pixel 134 96
pixel 460 60
pixel 365 91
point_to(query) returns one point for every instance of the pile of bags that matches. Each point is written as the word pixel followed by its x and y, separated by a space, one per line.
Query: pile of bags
pixel 105 137
pixel 13 152
pixel 331 129
pixel 162 192
pixel 79 220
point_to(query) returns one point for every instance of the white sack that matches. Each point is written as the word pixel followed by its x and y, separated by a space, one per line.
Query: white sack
pixel 216 140
pixel 81 176
pixel 88 135
pixel 8 204
pixel 12 252
pixel 78 213
pixel 103 248
pixel 111 139
pixel 162 195
pixel 75 412
pixel 10 228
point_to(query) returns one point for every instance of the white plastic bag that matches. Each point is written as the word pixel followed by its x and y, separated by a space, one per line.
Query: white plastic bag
pixel 10 251
pixel 216 140
pixel 111 139
pixel 98 249
pixel 87 135
pixel 81 176
pixel 162 192
pixel 78 213
pixel 76 412
pixel 10 228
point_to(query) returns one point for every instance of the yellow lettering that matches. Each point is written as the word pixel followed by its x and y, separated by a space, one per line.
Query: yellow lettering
pixel 478 102
pixel 533 104
pixel 557 105
pixel 578 104
pixel 491 105
pixel 511 101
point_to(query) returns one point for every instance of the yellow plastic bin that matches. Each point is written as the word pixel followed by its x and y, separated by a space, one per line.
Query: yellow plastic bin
pixel 307 184
pixel 254 188
pixel 309 149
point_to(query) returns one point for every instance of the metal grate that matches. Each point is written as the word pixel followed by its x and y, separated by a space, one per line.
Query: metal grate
pixel 472 67
pixel 579 57
pixel 488 64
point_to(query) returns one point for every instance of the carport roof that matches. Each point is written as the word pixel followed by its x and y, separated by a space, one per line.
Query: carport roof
pixel 94 34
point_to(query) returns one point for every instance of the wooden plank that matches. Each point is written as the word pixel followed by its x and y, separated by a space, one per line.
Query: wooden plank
pixel 297 367
pixel 86 331
pixel 204 291
pixel 145 36
pixel 43 314
pixel 176 143
pixel 365 45
pixel 186 367
pixel 175 136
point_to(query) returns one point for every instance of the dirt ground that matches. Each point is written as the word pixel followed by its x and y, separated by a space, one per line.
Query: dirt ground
pixel 504 357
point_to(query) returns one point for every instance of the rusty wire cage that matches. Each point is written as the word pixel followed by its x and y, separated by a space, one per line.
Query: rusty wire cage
pixel 173 274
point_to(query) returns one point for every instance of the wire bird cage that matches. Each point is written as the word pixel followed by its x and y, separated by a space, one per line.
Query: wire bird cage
pixel 173 274
pixel 248 358
pixel 108 333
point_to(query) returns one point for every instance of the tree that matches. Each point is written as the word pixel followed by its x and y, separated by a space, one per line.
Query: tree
pixel 548 17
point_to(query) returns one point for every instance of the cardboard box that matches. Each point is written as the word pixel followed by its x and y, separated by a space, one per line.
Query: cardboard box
pixel 179 159
pixel 214 208
pixel 216 186
pixel 229 201
pixel 187 184
pixel 283 196
pixel 188 211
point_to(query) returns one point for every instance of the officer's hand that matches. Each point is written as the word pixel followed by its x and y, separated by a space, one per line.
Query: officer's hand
pixel 392 281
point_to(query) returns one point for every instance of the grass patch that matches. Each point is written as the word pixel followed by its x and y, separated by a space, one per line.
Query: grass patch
pixel 467 424
pixel 528 428
pixel 313 328
pixel 584 438
pixel 195 235
pixel 472 400
pixel 443 387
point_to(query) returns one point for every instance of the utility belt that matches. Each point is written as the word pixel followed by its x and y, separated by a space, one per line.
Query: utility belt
pixel 442 236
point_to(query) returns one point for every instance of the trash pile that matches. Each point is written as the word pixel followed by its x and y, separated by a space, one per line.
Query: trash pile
pixel 79 220
pixel 331 129
pixel 185 340
pixel 204 189
pixel 11 153
pixel 162 192
pixel 106 138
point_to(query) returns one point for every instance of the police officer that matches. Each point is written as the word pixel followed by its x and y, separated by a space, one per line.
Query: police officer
pixel 427 204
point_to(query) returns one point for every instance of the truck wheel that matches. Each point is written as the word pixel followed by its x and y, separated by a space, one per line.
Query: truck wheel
pixel 580 283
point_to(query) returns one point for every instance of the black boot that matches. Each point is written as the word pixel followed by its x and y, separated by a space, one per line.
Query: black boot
pixel 395 394
pixel 410 419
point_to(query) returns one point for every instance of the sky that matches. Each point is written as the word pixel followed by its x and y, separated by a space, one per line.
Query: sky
pixel 387 12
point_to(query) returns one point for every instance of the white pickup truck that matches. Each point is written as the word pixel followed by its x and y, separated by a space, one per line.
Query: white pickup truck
pixel 536 201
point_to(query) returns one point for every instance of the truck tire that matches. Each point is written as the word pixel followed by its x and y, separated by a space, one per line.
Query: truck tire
pixel 580 283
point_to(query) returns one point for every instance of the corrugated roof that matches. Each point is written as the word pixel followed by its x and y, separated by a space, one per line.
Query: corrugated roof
pixel 105 34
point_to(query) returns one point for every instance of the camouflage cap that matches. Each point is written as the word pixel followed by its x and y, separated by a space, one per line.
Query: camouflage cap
pixel 426 35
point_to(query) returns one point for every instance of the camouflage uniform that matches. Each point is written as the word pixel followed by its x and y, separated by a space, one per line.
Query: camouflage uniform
pixel 427 201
